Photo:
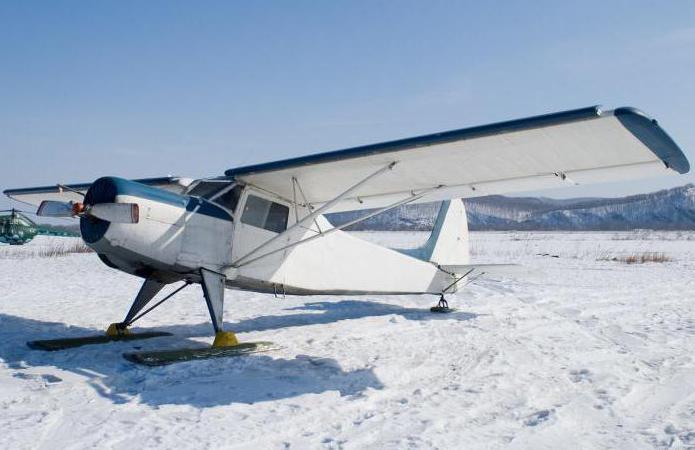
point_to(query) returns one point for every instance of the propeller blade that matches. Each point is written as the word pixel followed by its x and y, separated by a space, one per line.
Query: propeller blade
pixel 52 208
pixel 115 212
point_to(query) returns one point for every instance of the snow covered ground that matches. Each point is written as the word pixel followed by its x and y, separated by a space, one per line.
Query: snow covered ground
pixel 582 353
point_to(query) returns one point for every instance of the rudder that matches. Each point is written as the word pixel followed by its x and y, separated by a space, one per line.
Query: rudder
pixel 448 243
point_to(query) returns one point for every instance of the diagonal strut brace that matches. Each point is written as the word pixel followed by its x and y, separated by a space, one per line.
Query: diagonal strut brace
pixel 410 199
pixel 309 217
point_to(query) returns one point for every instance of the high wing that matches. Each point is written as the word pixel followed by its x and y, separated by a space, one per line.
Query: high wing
pixel 69 192
pixel 549 151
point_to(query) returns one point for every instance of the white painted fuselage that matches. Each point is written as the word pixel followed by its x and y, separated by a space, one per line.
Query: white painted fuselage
pixel 174 239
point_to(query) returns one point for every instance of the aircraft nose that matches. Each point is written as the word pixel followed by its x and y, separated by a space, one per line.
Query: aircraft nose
pixel 103 190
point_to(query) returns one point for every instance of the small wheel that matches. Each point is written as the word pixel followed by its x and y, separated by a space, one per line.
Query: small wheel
pixel 442 306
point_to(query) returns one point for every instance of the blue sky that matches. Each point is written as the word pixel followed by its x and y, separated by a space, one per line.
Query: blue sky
pixel 192 88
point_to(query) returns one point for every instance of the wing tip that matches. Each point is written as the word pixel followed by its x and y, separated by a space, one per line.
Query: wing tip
pixel 648 131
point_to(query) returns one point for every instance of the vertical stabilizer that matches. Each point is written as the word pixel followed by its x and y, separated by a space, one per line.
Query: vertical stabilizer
pixel 448 243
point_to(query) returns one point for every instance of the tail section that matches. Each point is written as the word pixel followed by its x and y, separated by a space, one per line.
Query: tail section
pixel 448 243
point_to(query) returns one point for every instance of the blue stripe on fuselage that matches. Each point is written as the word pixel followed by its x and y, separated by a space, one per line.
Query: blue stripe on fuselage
pixel 202 206
pixel 192 204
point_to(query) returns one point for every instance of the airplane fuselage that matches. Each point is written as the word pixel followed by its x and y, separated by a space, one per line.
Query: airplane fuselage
pixel 177 234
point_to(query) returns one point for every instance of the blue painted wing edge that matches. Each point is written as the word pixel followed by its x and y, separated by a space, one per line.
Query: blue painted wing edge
pixel 648 131
pixel 81 186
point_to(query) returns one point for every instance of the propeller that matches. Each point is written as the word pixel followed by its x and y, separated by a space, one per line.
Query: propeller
pixel 111 212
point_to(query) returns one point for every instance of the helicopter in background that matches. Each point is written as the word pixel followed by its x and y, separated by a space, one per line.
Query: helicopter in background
pixel 17 229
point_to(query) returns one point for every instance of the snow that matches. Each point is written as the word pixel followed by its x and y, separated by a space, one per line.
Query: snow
pixel 582 353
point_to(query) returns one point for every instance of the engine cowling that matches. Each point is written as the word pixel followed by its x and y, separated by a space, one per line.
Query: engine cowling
pixel 175 233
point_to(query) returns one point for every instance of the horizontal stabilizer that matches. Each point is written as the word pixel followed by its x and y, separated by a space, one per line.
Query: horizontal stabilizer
pixel 509 270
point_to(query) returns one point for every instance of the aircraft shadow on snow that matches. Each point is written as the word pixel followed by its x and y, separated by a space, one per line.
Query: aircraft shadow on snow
pixel 319 313
pixel 251 379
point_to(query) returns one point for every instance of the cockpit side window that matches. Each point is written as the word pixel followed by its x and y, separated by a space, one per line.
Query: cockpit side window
pixel 263 213
pixel 229 199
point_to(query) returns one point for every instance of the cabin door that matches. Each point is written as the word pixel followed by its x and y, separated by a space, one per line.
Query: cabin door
pixel 262 218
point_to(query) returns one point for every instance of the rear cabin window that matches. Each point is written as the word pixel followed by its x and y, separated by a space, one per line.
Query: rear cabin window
pixel 263 213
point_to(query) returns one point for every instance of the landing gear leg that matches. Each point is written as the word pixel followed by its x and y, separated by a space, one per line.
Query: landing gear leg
pixel 213 290
pixel 442 306
pixel 149 289
pixel 116 331
pixel 226 344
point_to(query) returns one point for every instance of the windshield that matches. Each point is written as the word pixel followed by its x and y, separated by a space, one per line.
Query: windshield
pixel 221 192
pixel 207 189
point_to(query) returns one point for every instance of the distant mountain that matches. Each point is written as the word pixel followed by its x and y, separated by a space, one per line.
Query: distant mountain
pixel 670 209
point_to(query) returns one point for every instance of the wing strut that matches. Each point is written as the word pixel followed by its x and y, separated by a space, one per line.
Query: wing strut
pixel 62 187
pixel 309 217
pixel 413 197
pixel 309 206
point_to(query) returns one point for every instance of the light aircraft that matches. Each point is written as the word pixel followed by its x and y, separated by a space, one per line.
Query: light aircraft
pixel 262 227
